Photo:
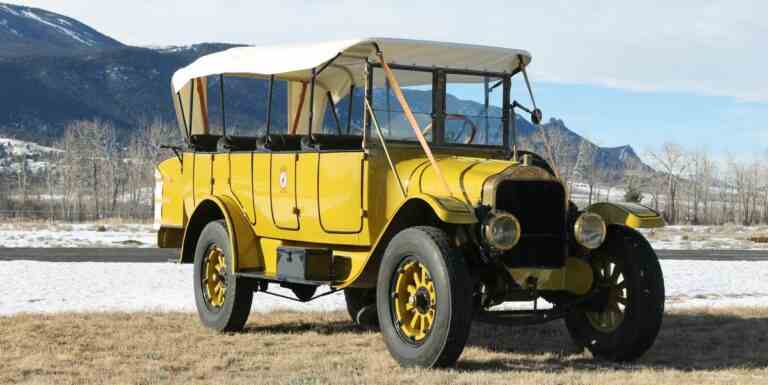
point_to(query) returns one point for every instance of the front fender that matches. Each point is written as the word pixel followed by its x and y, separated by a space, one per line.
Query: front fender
pixel 448 209
pixel 241 236
pixel 628 214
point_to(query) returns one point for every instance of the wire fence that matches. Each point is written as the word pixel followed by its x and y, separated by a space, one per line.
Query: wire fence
pixel 56 215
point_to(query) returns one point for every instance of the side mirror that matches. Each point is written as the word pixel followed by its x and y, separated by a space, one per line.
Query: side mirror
pixel 536 116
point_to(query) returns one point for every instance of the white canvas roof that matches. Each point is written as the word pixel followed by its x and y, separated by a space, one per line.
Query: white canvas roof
pixel 295 61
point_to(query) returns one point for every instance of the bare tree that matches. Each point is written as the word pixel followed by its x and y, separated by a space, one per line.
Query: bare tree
pixel 586 167
pixel 673 162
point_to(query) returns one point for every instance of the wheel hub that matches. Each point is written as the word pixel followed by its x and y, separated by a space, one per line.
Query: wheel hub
pixel 613 295
pixel 421 300
pixel 214 277
pixel 414 300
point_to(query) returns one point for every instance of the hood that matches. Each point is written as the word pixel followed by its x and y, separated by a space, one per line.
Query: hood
pixel 465 176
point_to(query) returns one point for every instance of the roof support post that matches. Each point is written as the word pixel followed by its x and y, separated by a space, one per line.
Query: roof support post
pixel 312 100
pixel 191 106
pixel 269 102
pixel 438 107
pixel 367 98
pixel 221 97
pixel 486 104
pixel 505 118
pixel 349 108
pixel 412 120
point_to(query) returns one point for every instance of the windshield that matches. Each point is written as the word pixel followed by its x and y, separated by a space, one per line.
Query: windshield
pixel 451 108
pixel 473 110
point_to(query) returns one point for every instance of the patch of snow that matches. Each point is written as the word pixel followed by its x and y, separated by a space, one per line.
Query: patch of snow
pixel 725 237
pixel 68 32
pixel 77 235
pixel 49 287
pixel 9 10
pixel 170 48
pixel 20 147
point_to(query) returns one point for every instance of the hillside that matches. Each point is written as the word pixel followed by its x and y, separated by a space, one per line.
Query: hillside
pixel 28 31
pixel 55 70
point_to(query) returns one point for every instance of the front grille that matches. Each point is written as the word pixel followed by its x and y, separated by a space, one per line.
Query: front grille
pixel 540 208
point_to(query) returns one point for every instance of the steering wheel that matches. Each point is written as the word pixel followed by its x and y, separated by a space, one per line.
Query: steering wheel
pixel 455 138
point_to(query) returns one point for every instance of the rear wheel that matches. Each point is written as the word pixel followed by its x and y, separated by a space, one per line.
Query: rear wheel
pixel 424 298
pixel 623 320
pixel 361 305
pixel 223 302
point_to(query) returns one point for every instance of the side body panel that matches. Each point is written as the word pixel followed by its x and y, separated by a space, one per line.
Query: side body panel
pixel 343 201
pixel 282 191
pixel 340 191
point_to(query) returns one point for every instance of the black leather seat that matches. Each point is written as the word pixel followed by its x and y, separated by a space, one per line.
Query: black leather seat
pixel 204 143
pixel 323 142
pixel 281 142
pixel 240 143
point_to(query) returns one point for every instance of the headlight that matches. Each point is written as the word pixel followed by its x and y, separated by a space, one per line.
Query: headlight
pixel 589 230
pixel 501 230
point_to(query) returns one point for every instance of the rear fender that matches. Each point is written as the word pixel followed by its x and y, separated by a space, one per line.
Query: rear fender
pixel 241 236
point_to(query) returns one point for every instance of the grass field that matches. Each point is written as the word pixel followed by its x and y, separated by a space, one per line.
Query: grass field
pixel 724 346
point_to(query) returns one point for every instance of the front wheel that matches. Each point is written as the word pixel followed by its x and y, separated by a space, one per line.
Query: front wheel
pixel 424 298
pixel 623 320
pixel 223 302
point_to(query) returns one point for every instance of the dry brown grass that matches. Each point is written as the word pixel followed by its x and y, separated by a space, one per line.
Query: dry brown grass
pixel 695 347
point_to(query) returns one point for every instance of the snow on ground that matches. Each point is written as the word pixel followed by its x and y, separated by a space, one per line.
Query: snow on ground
pixel 46 287
pixel 77 235
pixel 728 236
pixel 139 235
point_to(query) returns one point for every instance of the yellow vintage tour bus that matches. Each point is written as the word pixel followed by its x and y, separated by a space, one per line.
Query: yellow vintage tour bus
pixel 355 165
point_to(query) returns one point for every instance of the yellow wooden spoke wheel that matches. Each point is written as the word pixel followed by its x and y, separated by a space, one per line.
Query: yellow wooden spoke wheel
pixel 215 277
pixel 414 300
pixel 610 279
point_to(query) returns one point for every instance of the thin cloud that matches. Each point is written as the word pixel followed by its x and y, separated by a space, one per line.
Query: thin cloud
pixel 701 47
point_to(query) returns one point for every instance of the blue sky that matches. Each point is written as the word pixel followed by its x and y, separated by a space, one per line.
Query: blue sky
pixel 639 73
pixel 612 117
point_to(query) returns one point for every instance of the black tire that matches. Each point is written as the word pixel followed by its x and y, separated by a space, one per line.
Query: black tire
pixel 232 314
pixel 450 278
pixel 361 306
pixel 644 309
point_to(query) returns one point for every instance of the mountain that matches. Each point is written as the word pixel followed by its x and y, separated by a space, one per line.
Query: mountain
pixel 54 70
pixel 28 31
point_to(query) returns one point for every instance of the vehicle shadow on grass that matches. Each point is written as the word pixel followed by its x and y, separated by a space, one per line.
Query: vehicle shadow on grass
pixel 692 341
pixel 687 341
pixel 322 328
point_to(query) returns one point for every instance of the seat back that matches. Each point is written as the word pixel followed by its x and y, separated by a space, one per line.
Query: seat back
pixel 204 143
pixel 322 142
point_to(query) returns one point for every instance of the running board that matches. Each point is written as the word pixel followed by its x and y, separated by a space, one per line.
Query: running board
pixel 520 317
pixel 260 275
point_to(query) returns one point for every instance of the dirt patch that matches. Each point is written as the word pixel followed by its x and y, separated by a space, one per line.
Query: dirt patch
pixel 695 347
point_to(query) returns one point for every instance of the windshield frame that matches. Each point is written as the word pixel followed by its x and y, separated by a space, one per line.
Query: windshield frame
pixel 439 83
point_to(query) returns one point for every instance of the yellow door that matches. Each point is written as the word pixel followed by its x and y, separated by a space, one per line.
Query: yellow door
pixel 241 182
pixel 203 176
pixel 340 191
pixel 285 213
